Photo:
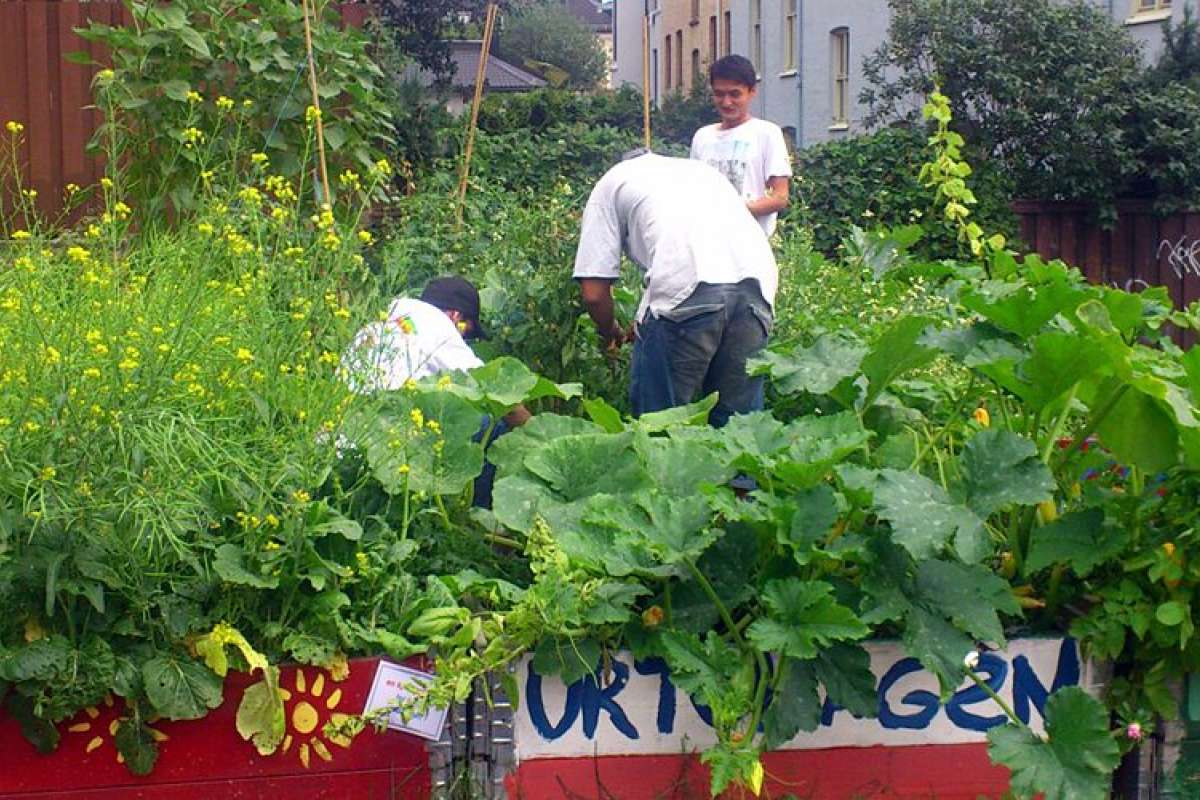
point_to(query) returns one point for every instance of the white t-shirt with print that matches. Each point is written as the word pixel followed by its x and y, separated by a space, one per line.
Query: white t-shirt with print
pixel 681 222
pixel 747 155
pixel 416 340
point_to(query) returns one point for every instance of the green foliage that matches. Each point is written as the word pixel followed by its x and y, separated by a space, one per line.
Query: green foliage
pixel 938 465
pixel 422 28
pixel 872 179
pixel 1074 760
pixel 1162 124
pixel 545 32
pixel 1040 89
pixel 1180 59
pixel 681 114
pixel 196 86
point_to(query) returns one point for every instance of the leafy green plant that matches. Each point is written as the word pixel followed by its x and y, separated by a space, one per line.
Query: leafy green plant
pixel 194 84
pixel 536 32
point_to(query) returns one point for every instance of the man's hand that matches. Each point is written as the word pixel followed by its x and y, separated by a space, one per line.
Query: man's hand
pixel 598 300
pixel 615 337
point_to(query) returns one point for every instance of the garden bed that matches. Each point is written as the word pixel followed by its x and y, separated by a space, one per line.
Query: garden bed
pixel 208 758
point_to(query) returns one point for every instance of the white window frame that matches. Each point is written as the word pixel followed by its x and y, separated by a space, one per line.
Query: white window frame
pixel 789 35
pixel 1142 11
pixel 839 77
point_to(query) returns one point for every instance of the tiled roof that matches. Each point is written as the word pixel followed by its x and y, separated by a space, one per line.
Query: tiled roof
pixel 500 75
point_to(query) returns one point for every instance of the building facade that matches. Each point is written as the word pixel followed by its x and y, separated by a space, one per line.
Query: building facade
pixel 808 53
pixel 686 36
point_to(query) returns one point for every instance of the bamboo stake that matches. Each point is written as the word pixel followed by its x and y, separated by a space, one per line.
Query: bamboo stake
pixel 316 101
pixel 489 26
pixel 646 75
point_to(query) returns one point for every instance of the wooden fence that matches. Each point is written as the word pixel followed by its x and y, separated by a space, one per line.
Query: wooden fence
pixel 52 97
pixel 1142 249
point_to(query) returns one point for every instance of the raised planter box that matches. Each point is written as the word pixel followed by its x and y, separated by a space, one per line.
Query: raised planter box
pixel 207 758
pixel 634 739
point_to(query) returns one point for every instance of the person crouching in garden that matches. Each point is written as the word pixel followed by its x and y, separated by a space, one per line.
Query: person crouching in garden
pixel 709 274
pixel 423 337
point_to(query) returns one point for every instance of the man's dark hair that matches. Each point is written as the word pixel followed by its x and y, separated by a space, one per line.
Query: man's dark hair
pixel 733 68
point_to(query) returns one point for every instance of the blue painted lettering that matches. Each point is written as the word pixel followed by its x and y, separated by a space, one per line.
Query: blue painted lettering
pixel 597 698
pixel 537 708
pixel 926 701
pixel 996 671
pixel 665 718
pixel 1027 689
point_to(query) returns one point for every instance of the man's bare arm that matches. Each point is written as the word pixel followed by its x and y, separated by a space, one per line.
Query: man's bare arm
pixel 598 300
pixel 518 416
pixel 775 200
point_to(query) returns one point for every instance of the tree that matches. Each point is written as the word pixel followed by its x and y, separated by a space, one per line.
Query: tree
pixel 1180 59
pixel 420 28
pixel 545 31
pixel 1046 88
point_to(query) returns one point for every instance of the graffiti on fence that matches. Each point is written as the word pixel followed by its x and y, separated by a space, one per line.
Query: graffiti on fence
pixel 1182 256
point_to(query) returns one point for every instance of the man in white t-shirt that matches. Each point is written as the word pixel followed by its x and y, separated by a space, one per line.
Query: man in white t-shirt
pixel 750 152
pixel 709 281
pixel 426 337
pixel 417 338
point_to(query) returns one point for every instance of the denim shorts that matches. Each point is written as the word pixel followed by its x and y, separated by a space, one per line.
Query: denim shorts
pixel 699 347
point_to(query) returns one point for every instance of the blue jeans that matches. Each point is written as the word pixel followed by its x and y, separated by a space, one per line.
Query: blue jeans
pixel 482 493
pixel 699 347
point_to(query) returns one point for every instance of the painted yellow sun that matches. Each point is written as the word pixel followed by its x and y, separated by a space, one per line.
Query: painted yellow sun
pixel 303 712
pixel 97 730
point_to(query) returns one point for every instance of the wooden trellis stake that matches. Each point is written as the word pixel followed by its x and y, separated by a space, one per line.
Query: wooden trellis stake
pixel 489 26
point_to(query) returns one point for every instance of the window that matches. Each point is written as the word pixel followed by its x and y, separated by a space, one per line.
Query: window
pixel 695 19
pixel 756 37
pixel 667 62
pixel 726 38
pixel 679 60
pixel 789 35
pixel 696 78
pixel 712 38
pixel 1148 6
pixel 654 72
pixel 839 47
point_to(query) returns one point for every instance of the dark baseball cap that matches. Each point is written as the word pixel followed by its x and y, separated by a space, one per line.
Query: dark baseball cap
pixel 456 294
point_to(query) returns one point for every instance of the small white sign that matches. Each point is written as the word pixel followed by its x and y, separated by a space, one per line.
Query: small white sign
pixel 391 687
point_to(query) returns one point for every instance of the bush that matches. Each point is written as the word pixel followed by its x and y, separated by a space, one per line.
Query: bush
pixel 873 180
